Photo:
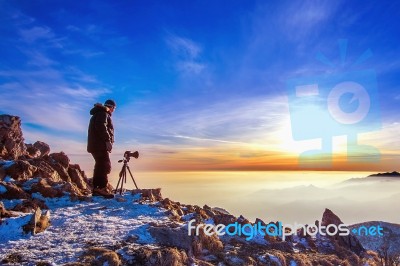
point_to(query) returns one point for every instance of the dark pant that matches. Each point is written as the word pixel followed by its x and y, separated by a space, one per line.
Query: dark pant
pixel 102 167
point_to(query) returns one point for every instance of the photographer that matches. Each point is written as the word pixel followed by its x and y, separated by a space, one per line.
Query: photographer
pixel 100 141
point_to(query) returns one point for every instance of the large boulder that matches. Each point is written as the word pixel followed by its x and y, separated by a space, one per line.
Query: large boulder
pixel 61 158
pixel 12 144
pixel 45 188
pixel 161 256
pixel 4 213
pixel 74 191
pixel 43 148
pixel 100 256
pixel 172 237
pixel 149 194
pixel 32 151
pixel 78 177
pixel 60 163
pixel 173 207
pixel 45 170
pixel 37 150
pixel 21 170
pixel 38 223
pixel 12 191
pixel 30 205
pixel 225 219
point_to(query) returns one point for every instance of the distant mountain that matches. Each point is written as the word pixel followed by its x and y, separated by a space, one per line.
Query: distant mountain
pixel 388 176
pixel 392 174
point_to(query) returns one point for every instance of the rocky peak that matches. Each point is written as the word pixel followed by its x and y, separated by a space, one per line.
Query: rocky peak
pixel 328 217
pixel 12 144
pixel 350 241
pixel 31 168
pixel 38 149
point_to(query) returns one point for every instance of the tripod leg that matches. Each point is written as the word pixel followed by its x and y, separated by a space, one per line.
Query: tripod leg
pixel 119 180
pixel 122 181
pixel 122 175
pixel 132 176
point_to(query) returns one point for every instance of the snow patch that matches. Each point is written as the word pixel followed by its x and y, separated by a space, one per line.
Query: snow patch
pixel 75 226
pixel 10 204
pixel 259 239
pixel 9 179
pixel 2 189
pixel 188 217
pixel 28 184
pixel 5 164
pixel 274 259
pixel 11 228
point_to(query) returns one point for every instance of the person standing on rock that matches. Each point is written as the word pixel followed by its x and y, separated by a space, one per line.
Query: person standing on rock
pixel 100 142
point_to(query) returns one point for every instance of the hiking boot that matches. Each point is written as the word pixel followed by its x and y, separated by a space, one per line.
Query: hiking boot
pixel 110 188
pixel 102 192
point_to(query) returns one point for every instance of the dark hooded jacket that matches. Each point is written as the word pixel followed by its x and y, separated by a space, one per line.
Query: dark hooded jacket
pixel 101 129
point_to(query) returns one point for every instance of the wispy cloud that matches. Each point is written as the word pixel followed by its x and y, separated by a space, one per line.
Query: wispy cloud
pixel 39 59
pixel 88 53
pixel 235 121
pixel 41 106
pixel 190 67
pixel 84 92
pixel 301 19
pixel 43 90
pixel 187 53
pixel 386 139
pixel 89 29
pixel 98 34
pixel 183 46
pixel 203 139
pixel 36 33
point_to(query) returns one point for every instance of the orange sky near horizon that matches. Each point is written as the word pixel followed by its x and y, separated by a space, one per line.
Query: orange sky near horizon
pixel 259 150
pixel 245 159
pixel 207 155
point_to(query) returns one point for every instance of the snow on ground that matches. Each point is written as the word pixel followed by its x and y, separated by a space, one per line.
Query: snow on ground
pixel 78 225
pixel 9 204
pixel 2 189
pixel 6 163
pixel 275 259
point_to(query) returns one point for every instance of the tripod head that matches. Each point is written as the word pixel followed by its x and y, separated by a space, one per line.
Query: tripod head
pixel 128 155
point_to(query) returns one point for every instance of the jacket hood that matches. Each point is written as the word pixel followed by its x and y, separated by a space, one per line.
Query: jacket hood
pixel 98 107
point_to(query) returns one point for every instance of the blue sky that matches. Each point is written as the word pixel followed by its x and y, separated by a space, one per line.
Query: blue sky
pixel 198 84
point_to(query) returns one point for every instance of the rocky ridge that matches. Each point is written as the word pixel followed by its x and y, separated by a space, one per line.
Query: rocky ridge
pixel 32 179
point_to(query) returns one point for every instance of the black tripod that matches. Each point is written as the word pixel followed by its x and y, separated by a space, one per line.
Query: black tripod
pixel 125 166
